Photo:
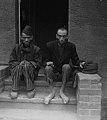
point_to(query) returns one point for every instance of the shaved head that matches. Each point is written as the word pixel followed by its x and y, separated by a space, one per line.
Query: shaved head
pixel 62 31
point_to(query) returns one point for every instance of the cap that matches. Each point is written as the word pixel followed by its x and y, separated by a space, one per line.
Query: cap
pixel 27 30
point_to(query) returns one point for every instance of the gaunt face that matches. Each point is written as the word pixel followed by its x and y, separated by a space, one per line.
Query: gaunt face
pixel 61 35
pixel 26 39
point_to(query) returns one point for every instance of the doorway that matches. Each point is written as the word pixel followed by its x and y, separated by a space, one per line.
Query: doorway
pixel 45 17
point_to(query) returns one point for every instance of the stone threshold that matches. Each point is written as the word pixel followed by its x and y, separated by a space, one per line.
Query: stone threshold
pixel 41 81
pixel 39 98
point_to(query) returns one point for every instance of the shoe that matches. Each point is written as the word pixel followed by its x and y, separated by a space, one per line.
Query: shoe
pixel 31 94
pixel 13 95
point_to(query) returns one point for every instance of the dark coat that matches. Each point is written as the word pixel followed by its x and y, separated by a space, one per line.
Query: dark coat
pixel 19 54
pixel 69 53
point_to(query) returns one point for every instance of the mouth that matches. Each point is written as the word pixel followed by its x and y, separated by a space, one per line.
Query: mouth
pixel 62 41
pixel 26 42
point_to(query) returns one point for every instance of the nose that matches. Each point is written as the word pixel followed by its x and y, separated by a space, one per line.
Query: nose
pixel 61 38
pixel 26 39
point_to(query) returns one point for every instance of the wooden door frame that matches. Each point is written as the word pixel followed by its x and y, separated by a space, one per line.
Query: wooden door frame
pixel 17 19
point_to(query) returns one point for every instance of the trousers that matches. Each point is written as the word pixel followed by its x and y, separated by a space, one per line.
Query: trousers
pixel 27 70
pixel 66 72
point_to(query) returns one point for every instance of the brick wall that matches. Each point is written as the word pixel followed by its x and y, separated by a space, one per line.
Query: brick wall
pixel 7 29
pixel 89 97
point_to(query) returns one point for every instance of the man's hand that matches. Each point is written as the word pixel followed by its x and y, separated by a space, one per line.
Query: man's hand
pixel 50 64
pixel 22 63
pixel 81 64
pixel 26 62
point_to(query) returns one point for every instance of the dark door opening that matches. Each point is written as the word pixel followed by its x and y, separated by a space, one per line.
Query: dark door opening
pixel 45 17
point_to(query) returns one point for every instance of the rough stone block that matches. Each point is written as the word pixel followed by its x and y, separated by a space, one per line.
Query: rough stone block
pixel 95 99
pixel 86 98
pixel 89 92
pixel 84 81
pixel 83 98
pixel 83 112
pixel 90 86
pixel 96 86
pixel 86 86
pixel 88 78
pixel 88 117
pixel 96 112
pixel 89 105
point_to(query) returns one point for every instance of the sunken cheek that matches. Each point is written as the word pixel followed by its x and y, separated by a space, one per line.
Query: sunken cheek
pixel 62 39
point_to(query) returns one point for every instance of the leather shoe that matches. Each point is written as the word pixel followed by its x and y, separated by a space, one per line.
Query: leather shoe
pixel 31 94
pixel 13 95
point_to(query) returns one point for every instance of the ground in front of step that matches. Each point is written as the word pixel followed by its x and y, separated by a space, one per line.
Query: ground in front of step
pixel 25 111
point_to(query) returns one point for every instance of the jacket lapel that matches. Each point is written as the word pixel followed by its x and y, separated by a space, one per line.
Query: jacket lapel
pixel 56 51
pixel 64 52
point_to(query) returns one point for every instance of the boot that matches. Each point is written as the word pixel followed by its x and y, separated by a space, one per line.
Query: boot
pixel 13 95
pixel 31 94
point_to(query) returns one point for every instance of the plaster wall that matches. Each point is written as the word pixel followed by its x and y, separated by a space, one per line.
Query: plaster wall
pixel 88 30
pixel 7 29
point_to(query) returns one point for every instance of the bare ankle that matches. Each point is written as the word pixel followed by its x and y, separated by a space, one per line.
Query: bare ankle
pixel 64 97
pixel 49 98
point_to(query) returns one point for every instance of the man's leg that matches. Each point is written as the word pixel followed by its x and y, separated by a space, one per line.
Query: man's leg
pixel 28 72
pixel 65 76
pixel 16 73
pixel 49 77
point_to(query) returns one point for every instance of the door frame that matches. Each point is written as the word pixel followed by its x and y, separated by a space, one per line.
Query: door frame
pixel 18 22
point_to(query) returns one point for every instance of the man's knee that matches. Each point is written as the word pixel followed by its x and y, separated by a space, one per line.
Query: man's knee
pixel 27 65
pixel 66 67
pixel 16 68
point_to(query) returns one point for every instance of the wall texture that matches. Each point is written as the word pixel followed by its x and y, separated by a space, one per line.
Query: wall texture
pixel 88 30
pixel 7 29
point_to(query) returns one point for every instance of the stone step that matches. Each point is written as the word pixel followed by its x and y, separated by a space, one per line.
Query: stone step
pixel 25 111
pixel 41 93
pixel 41 81
pixel 42 90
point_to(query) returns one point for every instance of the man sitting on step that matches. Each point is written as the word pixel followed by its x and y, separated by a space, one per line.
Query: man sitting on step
pixel 25 60
pixel 59 54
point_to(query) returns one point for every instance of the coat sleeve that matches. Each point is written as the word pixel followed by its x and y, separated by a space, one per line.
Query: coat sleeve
pixel 13 62
pixel 47 54
pixel 37 58
pixel 74 58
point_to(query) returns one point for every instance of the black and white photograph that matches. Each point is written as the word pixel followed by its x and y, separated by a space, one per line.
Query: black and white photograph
pixel 53 59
